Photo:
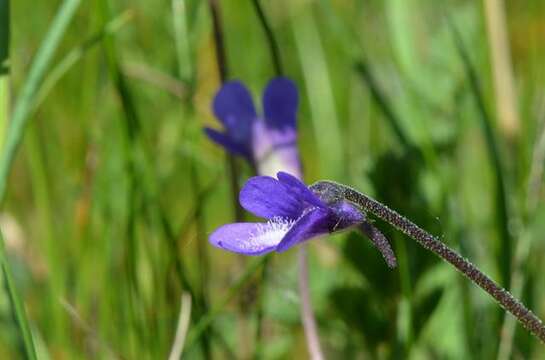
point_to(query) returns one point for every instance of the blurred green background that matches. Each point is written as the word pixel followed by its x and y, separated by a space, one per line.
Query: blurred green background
pixel 436 108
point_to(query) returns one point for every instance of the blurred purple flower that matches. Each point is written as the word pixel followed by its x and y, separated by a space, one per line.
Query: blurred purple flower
pixel 268 142
pixel 294 213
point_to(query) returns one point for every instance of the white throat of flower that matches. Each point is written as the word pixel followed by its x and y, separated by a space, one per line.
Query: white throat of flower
pixel 271 233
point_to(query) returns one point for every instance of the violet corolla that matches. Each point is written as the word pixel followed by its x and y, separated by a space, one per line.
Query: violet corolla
pixel 294 213
pixel 268 141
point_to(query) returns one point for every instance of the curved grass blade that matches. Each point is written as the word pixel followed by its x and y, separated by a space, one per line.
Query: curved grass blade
pixel 23 105
pixel 77 54
pixel 17 304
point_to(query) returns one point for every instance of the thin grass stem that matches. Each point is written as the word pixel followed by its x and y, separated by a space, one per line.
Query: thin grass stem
pixel 271 39
pixel 181 329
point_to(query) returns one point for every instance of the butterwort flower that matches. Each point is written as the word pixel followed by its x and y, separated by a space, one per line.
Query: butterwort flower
pixel 294 214
pixel 268 141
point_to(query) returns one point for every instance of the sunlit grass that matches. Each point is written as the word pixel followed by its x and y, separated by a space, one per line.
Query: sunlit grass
pixel 110 188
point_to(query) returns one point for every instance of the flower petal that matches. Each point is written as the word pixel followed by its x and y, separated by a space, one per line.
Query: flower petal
pixel 246 238
pixel 267 197
pixel 280 100
pixel 233 105
pixel 346 215
pixel 225 140
pixel 271 156
pixel 314 223
pixel 298 187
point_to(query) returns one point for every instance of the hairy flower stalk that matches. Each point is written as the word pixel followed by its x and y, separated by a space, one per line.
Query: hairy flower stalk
pixel 332 192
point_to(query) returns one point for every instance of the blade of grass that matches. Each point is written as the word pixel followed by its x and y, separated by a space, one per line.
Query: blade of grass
pixel 181 329
pixel 502 69
pixel 319 92
pixel 4 67
pixel 76 54
pixel 223 70
pixel 524 244
pixel 16 303
pixel 271 40
pixel 16 129
pixel 34 152
pixel 156 78
pixel 502 210
pixel 181 40
pixel 366 74
pixel 23 105
pixel 131 130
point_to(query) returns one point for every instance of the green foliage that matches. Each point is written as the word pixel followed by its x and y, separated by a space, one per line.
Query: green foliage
pixel 111 188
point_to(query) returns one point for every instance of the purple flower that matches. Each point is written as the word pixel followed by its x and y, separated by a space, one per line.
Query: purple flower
pixel 268 142
pixel 294 213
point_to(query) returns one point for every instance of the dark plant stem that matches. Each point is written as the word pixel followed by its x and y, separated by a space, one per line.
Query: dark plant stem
pixel 221 60
pixel 507 301
pixel 363 69
pixel 271 40
pixel 218 39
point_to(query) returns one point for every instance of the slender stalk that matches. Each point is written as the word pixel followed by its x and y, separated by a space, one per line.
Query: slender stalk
pixel 181 330
pixel 271 40
pixel 218 39
pixel 307 316
pixel 331 191
pixel 502 68
pixel 221 60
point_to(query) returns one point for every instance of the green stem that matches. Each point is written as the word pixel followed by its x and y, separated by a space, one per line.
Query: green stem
pixel 271 40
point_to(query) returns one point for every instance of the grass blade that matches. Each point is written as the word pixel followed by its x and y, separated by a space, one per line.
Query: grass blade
pixel 502 211
pixel 16 303
pixel 4 67
pixel 319 91
pixel 77 54
pixel 37 72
